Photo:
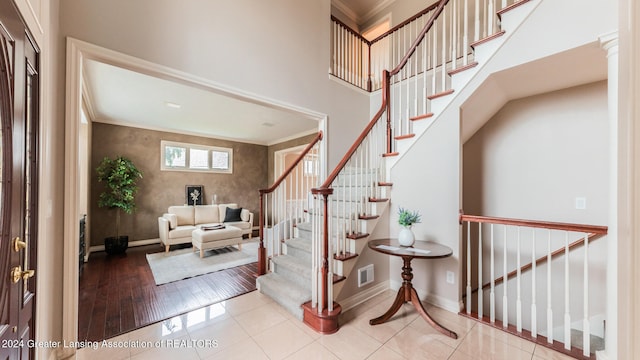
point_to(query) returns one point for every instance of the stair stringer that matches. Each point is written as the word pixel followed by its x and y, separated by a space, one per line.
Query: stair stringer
pixel 483 53
pixel 357 246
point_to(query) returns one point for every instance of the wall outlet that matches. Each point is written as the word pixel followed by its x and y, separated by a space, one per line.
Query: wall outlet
pixel 450 277
pixel 581 203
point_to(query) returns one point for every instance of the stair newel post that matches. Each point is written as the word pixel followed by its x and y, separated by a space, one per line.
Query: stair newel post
pixel 386 88
pixel 262 251
pixel 324 270
pixel 324 317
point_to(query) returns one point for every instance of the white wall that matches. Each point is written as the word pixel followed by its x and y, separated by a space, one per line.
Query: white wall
pixel 428 180
pixel 537 154
pixel 277 49
pixel 530 161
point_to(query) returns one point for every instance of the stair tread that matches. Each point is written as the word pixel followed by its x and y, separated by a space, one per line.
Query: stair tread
pixel 286 293
pixel 300 266
pixel 301 244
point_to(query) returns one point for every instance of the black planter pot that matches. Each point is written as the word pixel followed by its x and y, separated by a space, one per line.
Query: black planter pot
pixel 116 245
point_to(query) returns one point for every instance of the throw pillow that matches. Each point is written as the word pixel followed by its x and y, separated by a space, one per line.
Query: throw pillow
pixel 232 215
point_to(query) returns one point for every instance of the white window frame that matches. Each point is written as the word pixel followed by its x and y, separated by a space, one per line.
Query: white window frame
pixel 188 147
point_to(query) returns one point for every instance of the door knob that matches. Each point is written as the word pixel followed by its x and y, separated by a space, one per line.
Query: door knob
pixel 19 244
pixel 17 273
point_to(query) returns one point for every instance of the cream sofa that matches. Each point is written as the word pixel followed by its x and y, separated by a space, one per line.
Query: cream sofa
pixel 178 223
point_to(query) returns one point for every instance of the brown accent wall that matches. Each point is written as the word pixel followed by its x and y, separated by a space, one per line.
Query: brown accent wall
pixel 161 189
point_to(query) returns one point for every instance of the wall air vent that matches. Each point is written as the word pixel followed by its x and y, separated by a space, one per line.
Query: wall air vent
pixel 365 275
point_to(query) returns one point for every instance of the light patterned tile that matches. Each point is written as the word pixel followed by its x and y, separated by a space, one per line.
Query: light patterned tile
pixel 260 319
pixel 246 302
pixel 313 351
pixel 245 349
pixel 224 333
pixel 96 350
pixel 282 340
pixel 413 344
pixel 350 343
pixel 542 352
pixel 385 353
pixel 505 337
pixel 170 349
pixel 385 331
pixel 482 346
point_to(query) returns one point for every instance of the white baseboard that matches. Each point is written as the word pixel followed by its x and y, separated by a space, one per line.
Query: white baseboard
pixel 131 244
pixel 363 296
pixel 602 355
pixel 435 300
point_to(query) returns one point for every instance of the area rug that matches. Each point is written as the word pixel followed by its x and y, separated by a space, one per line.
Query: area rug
pixel 185 263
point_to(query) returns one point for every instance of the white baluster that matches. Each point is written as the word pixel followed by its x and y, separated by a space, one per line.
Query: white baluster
pixel 567 315
pixel 505 299
pixel 534 316
pixel 492 295
pixel 586 327
pixel 469 292
pixel 549 309
pixel 490 17
pixel 425 47
pixel 454 35
pixel 465 35
pixel 519 286
pixel 434 56
pixel 477 22
pixel 443 70
pixel 480 291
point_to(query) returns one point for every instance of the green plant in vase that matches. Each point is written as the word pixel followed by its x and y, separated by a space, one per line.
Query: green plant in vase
pixel 120 176
pixel 406 219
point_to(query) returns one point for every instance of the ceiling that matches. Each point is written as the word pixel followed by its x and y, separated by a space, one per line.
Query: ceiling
pixel 124 97
pixel 360 11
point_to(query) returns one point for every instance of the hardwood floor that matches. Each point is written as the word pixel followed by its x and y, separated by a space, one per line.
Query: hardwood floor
pixel 117 293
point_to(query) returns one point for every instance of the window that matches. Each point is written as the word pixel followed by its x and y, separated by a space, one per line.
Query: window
pixel 191 157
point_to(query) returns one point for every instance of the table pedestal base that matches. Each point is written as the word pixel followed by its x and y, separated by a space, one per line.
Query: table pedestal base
pixel 407 293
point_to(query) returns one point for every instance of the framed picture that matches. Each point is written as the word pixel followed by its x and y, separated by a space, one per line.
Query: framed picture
pixel 194 194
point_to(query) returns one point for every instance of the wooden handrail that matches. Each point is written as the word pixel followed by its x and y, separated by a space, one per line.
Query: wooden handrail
pixel 349 29
pixel 262 251
pixel 404 23
pixel 386 76
pixel 416 42
pixel 594 229
pixel 288 171
pixel 390 31
pixel 358 141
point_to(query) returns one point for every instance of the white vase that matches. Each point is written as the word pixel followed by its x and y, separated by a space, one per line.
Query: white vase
pixel 405 237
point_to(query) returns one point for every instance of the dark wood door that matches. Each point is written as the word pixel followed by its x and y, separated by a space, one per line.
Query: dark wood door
pixel 19 114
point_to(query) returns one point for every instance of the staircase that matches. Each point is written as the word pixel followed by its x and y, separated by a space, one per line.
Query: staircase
pixel 438 68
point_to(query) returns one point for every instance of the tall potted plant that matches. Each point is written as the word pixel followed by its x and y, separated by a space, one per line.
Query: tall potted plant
pixel 120 176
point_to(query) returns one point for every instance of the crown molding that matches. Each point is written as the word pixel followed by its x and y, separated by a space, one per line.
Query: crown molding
pixel 373 12
pixel 345 9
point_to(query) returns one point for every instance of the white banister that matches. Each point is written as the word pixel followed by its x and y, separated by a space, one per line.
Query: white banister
pixel 505 298
pixel 567 304
pixel 534 286
pixel 549 308
pixel 518 285
pixel 480 291
pixel 469 293
pixel 492 294
pixel 586 326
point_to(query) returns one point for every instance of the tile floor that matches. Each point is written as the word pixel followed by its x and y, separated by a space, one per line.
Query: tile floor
pixel 252 326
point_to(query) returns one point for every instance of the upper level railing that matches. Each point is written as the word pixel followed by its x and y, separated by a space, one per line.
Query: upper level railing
pixel 360 62
pixel 284 203
pixel 499 246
